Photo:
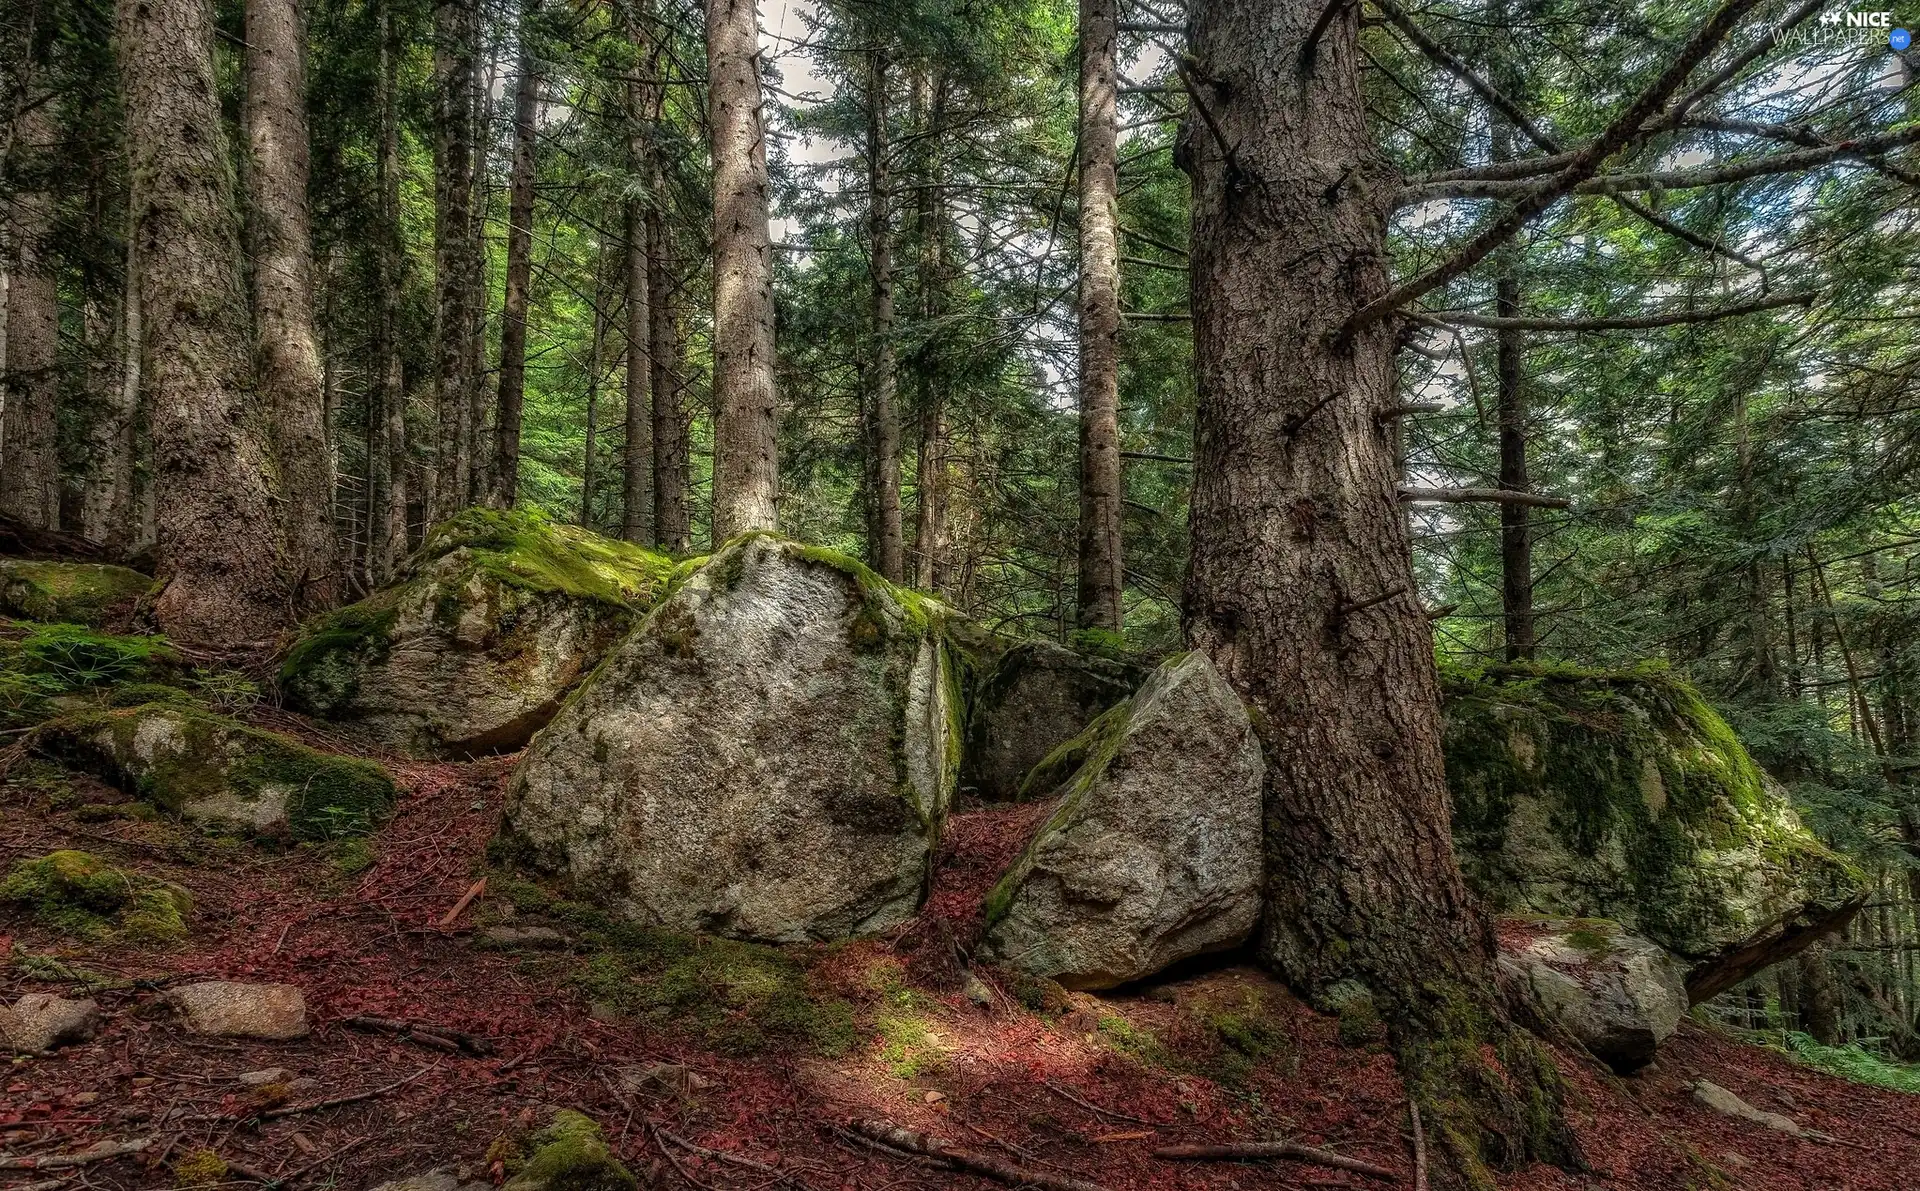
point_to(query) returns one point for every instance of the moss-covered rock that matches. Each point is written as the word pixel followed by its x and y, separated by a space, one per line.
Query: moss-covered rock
pixel 222 774
pixel 1624 796
pixel 78 894
pixel 89 593
pixel 1619 994
pixel 473 650
pixel 1026 701
pixel 770 756
pixel 570 1154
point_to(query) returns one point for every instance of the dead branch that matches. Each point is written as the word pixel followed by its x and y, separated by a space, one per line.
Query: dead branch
pixel 901 1138
pixel 733 1159
pixel 335 1102
pixel 466 899
pixel 98 1152
pixel 1460 70
pixel 1244 1150
pixel 1419 1147
pixel 1091 1107
pixel 1633 322
pixel 426 1033
pixel 1461 496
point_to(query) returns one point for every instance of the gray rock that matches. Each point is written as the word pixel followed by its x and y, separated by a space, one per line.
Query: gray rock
pixel 497 617
pixel 768 757
pixel 39 1022
pixel 1711 1095
pixel 1620 995
pixel 977 991
pixel 266 1075
pixel 530 938
pixel 1032 698
pixel 225 1009
pixel 1154 852
pixel 432 1180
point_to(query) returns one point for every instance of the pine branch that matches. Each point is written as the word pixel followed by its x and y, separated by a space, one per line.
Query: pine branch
pixel 1638 322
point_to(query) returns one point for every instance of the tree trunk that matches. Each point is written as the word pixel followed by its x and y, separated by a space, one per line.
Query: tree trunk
pixel 672 521
pixel 637 453
pixel 480 446
pixel 1300 583
pixel 930 519
pixel 108 514
pixel 513 313
pixel 1100 482
pixel 456 35
pixel 882 418
pixel 1819 995
pixel 1516 530
pixel 29 456
pixel 590 463
pixel 745 447
pixel 389 541
pixel 219 535
pixel 287 362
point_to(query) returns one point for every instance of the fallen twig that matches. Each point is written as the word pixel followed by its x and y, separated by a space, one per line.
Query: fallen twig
pixel 661 1145
pixel 335 1102
pixel 98 1152
pixel 425 1033
pixel 724 1156
pixel 901 1138
pixel 1057 1090
pixel 1419 1147
pixel 1244 1150
pixel 479 887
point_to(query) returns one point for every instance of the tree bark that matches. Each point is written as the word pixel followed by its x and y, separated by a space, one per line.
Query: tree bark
pixel 513 314
pixel 590 464
pixel 745 447
pixel 107 510
pixel 672 451
pixel 388 544
pixel 929 472
pixel 637 454
pixel 29 456
pixel 455 85
pixel 287 362
pixel 1516 530
pixel 1300 584
pixel 882 417
pixel 1101 576
pixel 219 534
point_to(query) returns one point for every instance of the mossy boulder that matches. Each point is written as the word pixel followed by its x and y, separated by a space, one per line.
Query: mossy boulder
pixel 1619 994
pixel 89 593
pixel 78 894
pixel 1624 796
pixel 769 757
pixel 1027 700
pixel 221 774
pixel 473 650
pixel 1153 854
pixel 569 1154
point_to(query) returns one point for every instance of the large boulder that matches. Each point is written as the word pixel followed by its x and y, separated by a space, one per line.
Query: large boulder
pixel 1620 995
pixel 770 756
pixel 472 651
pixel 222 774
pixel 88 593
pixel 1625 797
pixel 1027 700
pixel 1154 852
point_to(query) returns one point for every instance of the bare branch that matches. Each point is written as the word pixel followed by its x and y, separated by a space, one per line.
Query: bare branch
pixel 1460 70
pixel 1624 323
pixel 1461 496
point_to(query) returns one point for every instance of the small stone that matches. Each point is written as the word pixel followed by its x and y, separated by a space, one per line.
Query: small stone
pixel 1736 1160
pixel 533 938
pixel 1711 1095
pixel 976 990
pixel 432 1180
pixel 84 1099
pixel 675 1079
pixel 935 1097
pixel 265 1075
pixel 39 1022
pixel 225 1009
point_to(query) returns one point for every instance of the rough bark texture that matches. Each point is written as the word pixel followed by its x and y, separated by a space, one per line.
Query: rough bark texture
pixel 513 313
pixel 672 520
pixel 456 34
pixel 1300 584
pixel 589 465
pixel 637 454
pixel 1100 492
pixel 220 548
pixel 387 544
pixel 286 358
pixel 29 461
pixel 745 461
pixel 1516 531
pixel 930 527
pixel 882 418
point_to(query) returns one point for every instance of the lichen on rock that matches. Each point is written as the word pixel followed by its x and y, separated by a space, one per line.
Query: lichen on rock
pixel 473 650
pixel 1624 796
pixel 1029 698
pixel 1619 994
pixel 78 894
pixel 88 593
pixel 769 756
pixel 222 774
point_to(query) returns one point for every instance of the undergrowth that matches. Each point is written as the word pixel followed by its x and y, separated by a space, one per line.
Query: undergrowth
pixel 1853 1062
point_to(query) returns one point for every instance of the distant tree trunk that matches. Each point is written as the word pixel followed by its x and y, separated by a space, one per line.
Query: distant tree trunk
pixel 1100 483
pixel 1819 995
pixel 1764 676
pixel 219 535
pixel 513 314
pixel 591 463
pixel 107 512
pixel 1516 531
pixel 1300 584
pixel 746 468
pixel 29 456
pixel 672 451
pixel 480 446
pixel 456 36
pixel 882 454
pixel 389 541
pixel 637 454
pixel 930 530
pixel 287 362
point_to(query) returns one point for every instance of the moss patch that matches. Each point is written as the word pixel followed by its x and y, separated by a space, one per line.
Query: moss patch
pixel 77 657
pixel 87 593
pixel 569 1154
pixel 523 548
pixel 78 894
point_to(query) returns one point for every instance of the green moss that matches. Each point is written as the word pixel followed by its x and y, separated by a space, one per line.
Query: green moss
pixel 199 1168
pixel 134 694
pixel 904 1040
pixel 570 1154
pixel 1101 643
pixel 1138 1043
pixel 523 548
pixel 75 592
pixel 78 894
pixel 322 670
pixel 78 657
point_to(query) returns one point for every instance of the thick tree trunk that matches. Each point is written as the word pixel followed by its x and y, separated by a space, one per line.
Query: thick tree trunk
pixel 1100 490
pixel 672 450
pixel 513 313
pixel 219 536
pixel 930 521
pixel 29 456
pixel 882 417
pixel 287 362
pixel 1300 582
pixel 388 545
pixel 745 449
pixel 637 453
pixel 456 36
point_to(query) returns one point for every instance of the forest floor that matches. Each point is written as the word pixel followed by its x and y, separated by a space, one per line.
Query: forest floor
pixel 761 1054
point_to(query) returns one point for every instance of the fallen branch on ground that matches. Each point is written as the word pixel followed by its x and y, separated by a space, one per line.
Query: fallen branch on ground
pixel 466 899
pixel 425 1033
pixel 355 1098
pixel 724 1156
pixel 98 1152
pixel 901 1138
pixel 1057 1090
pixel 1245 1150
pixel 1419 1147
